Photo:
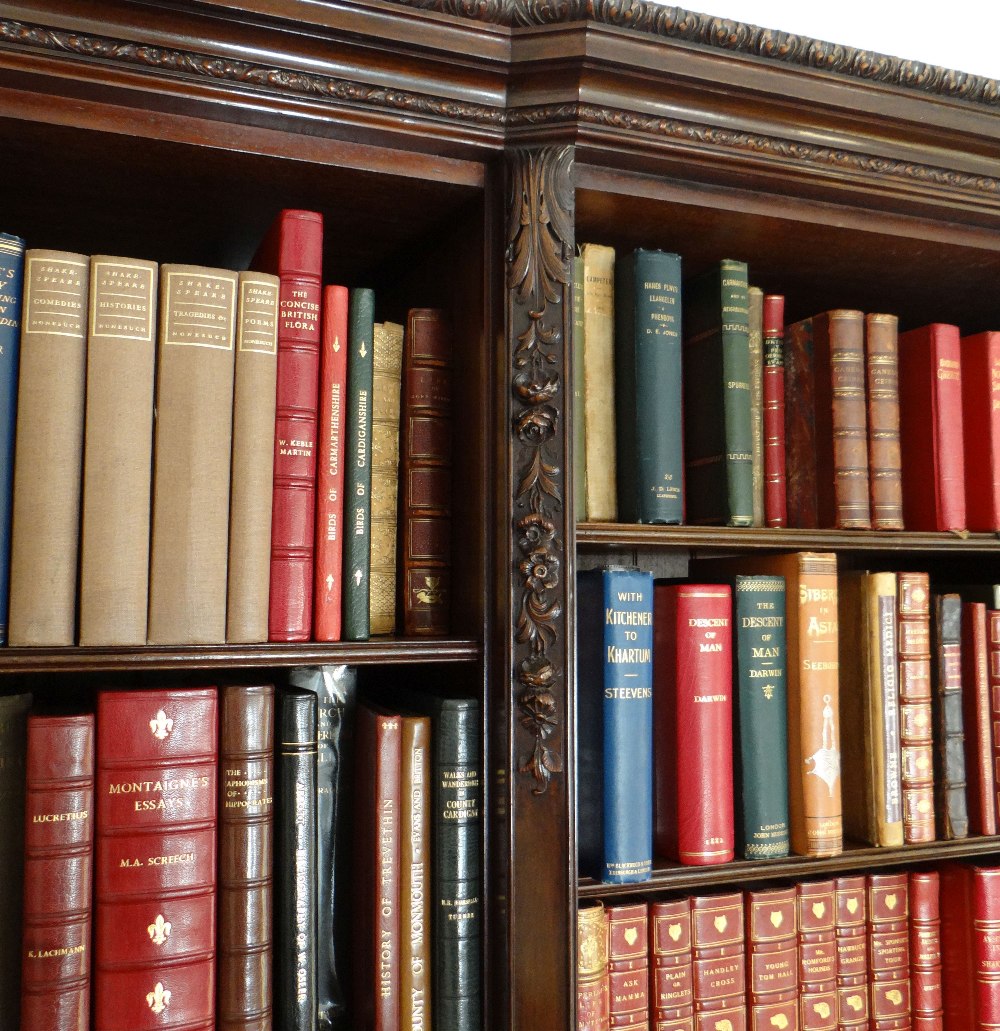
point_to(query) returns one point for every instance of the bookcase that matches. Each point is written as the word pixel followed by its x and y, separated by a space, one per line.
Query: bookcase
pixel 458 151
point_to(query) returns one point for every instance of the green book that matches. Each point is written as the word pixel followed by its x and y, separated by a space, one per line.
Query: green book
pixel 579 426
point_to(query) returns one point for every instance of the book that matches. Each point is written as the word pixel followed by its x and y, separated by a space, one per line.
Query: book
pixel 292 250
pixel 993 674
pixel 816 907
pixel 387 361
pixel 12 250
pixel 889 949
pixel 48 451
pixel 628 965
pixel 577 409
pixel 884 459
pixel 718 965
pixel 58 866
pixel 761 697
pixel 592 1000
pixel 852 953
pixel 647 351
pixel 155 859
pixel 117 452
pixel 718 475
pixel 981 414
pixel 949 721
pixel 671 965
pixel 425 479
pixel 755 314
pixel 772 965
pixel 252 476
pixel 925 950
pixel 931 428
pixel 192 455
pixel 693 723
pixel 773 319
pixel 356 623
pixel 980 777
pixel 600 446
pixel 246 851
pixel 615 724
pixel 870 704
pixel 332 458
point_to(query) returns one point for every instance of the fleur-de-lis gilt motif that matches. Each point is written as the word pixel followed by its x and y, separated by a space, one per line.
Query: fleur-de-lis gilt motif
pixel 161 725
pixel 432 591
pixel 158 999
pixel 159 930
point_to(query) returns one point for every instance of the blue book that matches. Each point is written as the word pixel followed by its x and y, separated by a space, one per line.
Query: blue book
pixel 614 677
pixel 11 289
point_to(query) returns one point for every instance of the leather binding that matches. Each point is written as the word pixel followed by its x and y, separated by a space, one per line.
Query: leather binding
pixel 718 961
pixel 931 428
pixel 154 922
pixel 252 489
pixel 925 950
pixel 986 945
pixel 993 667
pixel 48 453
pixel 329 557
pixel 949 722
pixel 58 865
pixel 295 861
pixel 193 455
pixel 592 995
pixel 852 953
pixel 889 950
pixel 957 960
pixel 425 480
pixel 292 250
pixel 716 361
pixel 615 724
pixel 870 704
pixel 117 450
pixel 335 688
pixel 356 625
pixel 760 676
pixel 12 277
pixel 387 355
pixel 671 969
pixel 628 966
pixel 578 418
pixel 599 380
pixel 884 460
pixel 693 720
pixel 775 503
pixel 246 851
pixel 772 958
pixel 801 496
pixel 981 413
pixel 976 714
pixel 817 919
pixel 755 310
pixel 915 717
pixel 647 349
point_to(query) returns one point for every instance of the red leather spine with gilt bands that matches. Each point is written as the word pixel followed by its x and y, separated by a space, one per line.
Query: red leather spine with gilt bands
pixel 775 508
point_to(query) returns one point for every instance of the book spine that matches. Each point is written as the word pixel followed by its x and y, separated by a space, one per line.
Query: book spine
pixel 118 443
pixel 852 954
pixel 884 461
pixel 356 625
pixel 155 860
pixel 889 944
pixel 718 961
pixel 817 917
pixel 426 475
pixel 671 959
pixel 917 749
pixel 949 722
pixel 415 1002
pixel 993 672
pixel 772 958
pixel 775 506
pixel 578 410
pixel 592 994
pixel 254 385
pixel 755 315
pixel 957 960
pixel 800 428
pixel 981 413
pixel 48 453
pixel 976 712
pixel 762 726
pixel 986 946
pixel 628 966
pixel 193 455
pixel 925 951
pixel 246 848
pixel 58 865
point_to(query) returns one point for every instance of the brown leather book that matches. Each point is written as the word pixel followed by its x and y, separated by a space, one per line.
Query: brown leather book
pixel 117 451
pixel 249 573
pixel 628 965
pixel 852 954
pixel 58 866
pixel 889 951
pixel 193 455
pixel 916 722
pixel 425 476
pixel 246 836
pixel 592 968
pixel 979 773
pixel 817 913
pixel 772 958
pixel 48 454
pixel 927 999
pixel 885 461
pixel 672 999
pixel 719 961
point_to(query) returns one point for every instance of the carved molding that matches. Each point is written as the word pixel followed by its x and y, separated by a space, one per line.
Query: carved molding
pixel 538 261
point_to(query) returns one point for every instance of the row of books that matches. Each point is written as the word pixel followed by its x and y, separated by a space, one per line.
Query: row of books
pixel 205 857
pixel 713 412
pixel 779 705
pixel 865 952
pixel 195 455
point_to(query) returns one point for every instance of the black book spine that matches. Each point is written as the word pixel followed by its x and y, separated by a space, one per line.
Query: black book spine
pixel 949 722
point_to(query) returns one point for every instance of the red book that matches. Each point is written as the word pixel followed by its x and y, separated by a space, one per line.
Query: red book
pixel 693 723
pixel 977 713
pixel 155 865
pixel 817 912
pixel 852 954
pixel 772 958
pixel 672 1003
pixel 775 508
pixel 930 425
pixel 956 945
pixel 628 966
pixel 293 251
pixel 993 672
pixel 889 951
pixel 58 864
pixel 329 558
pixel 925 950
pixel 719 961
pixel 981 413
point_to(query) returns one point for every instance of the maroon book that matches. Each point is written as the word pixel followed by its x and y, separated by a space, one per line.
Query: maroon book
pixel 993 672
pixel 775 508
pixel 925 950
pixel 58 864
pixel 852 953
pixel 959 1001
pixel 981 413
pixel 772 958
pixel 980 778
pixel 293 251
pixel 817 912
pixel 889 951
pixel 155 864
pixel 672 1003
pixel 628 966
pixel 719 961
